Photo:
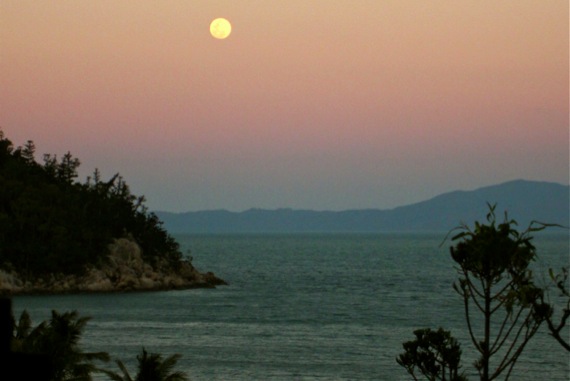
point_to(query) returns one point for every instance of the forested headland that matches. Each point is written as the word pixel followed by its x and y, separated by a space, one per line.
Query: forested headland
pixel 53 227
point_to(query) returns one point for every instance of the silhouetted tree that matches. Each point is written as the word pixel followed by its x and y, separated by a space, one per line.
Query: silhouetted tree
pixel 150 367
pixel 435 354
pixel 556 327
pixel 496 284
pixel 58 339
pixel 66 170
pixel 28 151
pixel 503 307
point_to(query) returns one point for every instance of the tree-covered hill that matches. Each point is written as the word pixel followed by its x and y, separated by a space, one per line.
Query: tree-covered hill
pixel 52 224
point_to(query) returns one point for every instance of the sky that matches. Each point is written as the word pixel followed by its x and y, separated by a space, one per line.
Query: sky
pixel 322 104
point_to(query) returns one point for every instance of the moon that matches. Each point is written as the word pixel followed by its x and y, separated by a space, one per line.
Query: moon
pixel 220 28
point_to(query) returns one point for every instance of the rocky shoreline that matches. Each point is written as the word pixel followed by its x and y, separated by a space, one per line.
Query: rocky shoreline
pixel 125 271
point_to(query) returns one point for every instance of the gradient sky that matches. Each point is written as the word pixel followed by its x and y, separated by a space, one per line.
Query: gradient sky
pixel 321 104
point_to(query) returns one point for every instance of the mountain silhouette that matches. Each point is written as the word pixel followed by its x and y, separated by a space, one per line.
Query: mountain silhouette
pixel 523 200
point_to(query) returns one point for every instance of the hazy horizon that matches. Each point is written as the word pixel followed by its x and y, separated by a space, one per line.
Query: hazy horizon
pixel 353 209
pixel 306 105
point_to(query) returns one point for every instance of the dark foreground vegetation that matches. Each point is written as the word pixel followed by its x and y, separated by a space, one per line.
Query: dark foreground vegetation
pixel 51 351
pixel 51 223
pixel 503 305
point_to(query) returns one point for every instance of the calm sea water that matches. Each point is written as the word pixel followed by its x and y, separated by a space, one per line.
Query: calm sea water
pixel 300 307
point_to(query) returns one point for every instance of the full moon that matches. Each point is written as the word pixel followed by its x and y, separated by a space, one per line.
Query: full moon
pixel 220 28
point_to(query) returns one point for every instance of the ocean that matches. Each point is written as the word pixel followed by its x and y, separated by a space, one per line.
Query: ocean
pixel 301 307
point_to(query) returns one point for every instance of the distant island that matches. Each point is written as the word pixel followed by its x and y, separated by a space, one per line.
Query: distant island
pixel 527 200
pixel 58 235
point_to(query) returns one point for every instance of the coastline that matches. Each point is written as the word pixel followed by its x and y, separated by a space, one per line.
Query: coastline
pixel 124 271
pixel 211 282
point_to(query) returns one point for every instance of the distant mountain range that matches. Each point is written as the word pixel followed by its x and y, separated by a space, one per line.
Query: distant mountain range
pixel 524 201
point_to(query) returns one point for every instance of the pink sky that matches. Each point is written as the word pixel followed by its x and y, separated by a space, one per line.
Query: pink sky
pixel 308 104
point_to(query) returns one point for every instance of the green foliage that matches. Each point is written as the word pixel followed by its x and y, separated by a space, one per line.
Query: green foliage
pixel 49 223
pixel 435 354
pixel 58 338
pixel 496 284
